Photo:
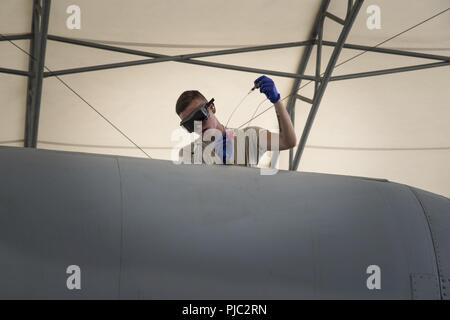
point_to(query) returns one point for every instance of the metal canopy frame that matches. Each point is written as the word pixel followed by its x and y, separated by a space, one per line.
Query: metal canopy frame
pixel 320 85
pixel 38 38
pixel 36 64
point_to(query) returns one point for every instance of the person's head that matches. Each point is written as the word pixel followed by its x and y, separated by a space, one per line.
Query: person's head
pixel 189 101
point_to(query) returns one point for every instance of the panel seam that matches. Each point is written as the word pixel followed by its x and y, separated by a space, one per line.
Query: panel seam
pixel 121 228
pixel 433 240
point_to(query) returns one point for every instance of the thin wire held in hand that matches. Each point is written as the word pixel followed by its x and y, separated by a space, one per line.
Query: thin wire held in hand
pixel 79 96
pixel 270 107
pixel 235 108
pixel 256 110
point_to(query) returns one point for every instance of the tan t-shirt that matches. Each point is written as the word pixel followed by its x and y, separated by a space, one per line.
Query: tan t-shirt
pixel 246 143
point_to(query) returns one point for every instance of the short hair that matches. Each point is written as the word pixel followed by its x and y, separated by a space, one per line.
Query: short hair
pixel 186 98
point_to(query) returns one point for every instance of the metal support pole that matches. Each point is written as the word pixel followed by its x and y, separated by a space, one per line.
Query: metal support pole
pixel 12 37
pixel 41 14
pixel 349 8
pixel 389 71
pixel 187 58
pixel 305 99
pixel 301 69
pixel 334 18
pixel 197 62
pixel 24 36
pixel 327 75
pixel 97 45
pixel 390 51
pixel 319 55
pixel 15 72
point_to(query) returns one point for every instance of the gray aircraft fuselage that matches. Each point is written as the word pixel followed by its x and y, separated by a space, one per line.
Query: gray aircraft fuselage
pixel 84 226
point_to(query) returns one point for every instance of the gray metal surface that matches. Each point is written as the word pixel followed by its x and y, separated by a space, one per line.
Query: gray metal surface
pixel 150 229
pixel 425 287
pixel 437 212
pixel 58 209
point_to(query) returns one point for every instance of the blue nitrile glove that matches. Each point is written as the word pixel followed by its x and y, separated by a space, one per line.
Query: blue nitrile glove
pixel 267 86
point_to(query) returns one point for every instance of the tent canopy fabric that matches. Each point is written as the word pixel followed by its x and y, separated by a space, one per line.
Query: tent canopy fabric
pixel 393 126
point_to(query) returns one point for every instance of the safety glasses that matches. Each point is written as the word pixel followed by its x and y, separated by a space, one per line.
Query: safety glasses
pixel 200 114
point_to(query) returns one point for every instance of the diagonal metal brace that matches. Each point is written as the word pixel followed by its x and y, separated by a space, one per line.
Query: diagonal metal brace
pixel 325 79
pixel 302 67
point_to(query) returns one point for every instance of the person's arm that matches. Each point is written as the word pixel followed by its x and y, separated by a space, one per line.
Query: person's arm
pixel 286 138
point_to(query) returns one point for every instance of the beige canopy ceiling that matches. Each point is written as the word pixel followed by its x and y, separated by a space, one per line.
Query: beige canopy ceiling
pixel 393 126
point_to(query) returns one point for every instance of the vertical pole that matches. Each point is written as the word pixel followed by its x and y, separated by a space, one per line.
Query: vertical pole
pixel 38 43
pixel 319 54
pixel 301 70
pixel 328 72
